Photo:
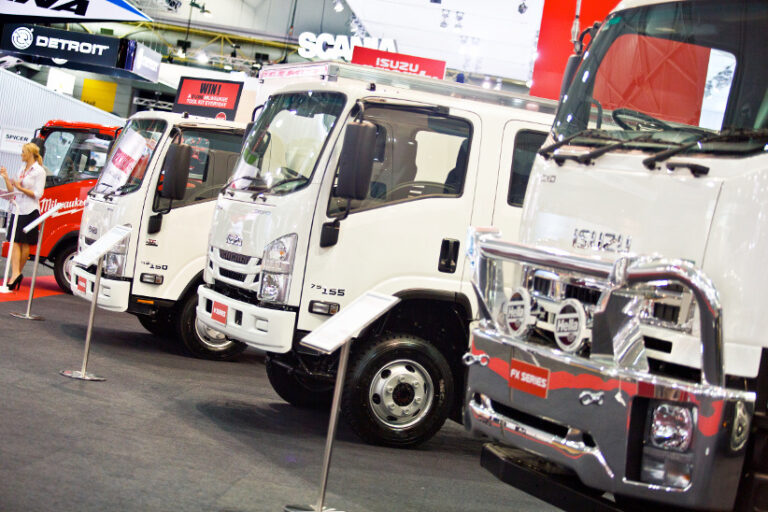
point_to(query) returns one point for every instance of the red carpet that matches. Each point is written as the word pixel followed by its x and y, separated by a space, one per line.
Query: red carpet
pixel 45 286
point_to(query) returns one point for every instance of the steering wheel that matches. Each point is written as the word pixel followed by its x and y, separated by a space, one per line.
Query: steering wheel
pixel 623 116
pixel 426 188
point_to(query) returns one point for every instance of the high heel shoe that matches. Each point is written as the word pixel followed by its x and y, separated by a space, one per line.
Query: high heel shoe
pixel 16 283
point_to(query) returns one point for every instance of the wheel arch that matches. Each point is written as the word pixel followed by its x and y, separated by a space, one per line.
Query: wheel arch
pixel 62 243
pixel 440 317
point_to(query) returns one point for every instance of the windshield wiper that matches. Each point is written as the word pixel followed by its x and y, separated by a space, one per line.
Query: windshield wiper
pixel 260 183
pixel 587 158
pixel 651 161
pixel 289 180
pixel 118 189
pixel 546 152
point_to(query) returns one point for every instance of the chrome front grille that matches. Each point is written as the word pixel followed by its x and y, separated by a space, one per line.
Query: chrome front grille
pixel 242 259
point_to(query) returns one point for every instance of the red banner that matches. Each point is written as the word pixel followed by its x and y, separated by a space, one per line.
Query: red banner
pixel 528 378
pixel 407 64
pixel 208 98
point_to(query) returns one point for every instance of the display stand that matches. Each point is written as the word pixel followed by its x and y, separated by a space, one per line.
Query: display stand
pixel 29 227
pixel 95 253
pixel 4 288
pixel 334 333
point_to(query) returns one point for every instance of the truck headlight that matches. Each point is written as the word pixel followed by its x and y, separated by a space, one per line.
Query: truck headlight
pixel 671 427
pixel 114 264
pixel 276 269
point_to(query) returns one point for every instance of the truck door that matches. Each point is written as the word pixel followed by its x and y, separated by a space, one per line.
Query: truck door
pixel 409 231
pixel 176 252
pixel 521 141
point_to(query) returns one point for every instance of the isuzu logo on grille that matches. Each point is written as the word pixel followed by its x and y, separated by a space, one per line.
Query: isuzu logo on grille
pixel 233 239
pixel 570 326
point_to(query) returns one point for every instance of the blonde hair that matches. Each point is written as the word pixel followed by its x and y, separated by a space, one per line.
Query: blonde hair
pixel 33 150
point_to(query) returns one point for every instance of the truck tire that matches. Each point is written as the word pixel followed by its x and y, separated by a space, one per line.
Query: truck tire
pixel 398 391
pixel 298 390
pixel 62 266
pixel 161 324
pixel 198 340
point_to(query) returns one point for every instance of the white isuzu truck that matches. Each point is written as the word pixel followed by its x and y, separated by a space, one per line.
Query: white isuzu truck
pixel 362 180
pixel 156 272
pixel 608 361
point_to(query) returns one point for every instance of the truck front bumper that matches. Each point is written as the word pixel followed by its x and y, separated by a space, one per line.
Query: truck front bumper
pixel 596 420
pixel 262 328
pixel 113 293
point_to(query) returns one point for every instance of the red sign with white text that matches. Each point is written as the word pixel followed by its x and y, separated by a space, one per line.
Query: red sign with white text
pixel 528 378
pixel 208 98
pixel 81 284
pixel 219 312
pixel 408 64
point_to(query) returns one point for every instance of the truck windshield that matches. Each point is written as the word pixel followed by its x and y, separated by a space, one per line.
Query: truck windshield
pixel 282 148
pixel 73 156
pixel 127 163
pixel 679 72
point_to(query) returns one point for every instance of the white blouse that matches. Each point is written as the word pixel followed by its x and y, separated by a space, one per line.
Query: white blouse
pixel 34 180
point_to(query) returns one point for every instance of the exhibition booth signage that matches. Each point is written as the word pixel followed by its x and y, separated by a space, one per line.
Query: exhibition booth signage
pixel 408 64
pixel 208 98
pixel 60 44
pixel 73 10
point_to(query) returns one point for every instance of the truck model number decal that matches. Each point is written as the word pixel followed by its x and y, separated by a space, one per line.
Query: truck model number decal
pixel 338 292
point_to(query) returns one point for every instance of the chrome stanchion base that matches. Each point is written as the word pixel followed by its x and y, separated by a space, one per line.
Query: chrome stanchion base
pixel 25 317
pixel 77 374
pixel 5 289
pixel 307 508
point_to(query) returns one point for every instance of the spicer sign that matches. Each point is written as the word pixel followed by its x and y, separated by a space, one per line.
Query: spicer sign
pixel 60 44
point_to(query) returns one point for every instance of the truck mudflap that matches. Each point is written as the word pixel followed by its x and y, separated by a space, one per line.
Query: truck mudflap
pixel 600 411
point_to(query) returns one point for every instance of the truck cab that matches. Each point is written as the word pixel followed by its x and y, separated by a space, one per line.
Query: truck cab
pixel 362 180
pixel 154 274
pixel 658 150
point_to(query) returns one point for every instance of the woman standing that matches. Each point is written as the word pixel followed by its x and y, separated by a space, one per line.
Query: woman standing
pixel 29 189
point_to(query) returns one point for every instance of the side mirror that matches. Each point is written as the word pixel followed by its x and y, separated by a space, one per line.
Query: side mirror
pixel 356 160
pixel 176 171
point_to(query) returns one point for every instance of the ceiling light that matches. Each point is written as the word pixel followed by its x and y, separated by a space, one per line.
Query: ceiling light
pixel 522 7
pixel 444 23
pixel 338 6
pixel 459 17
pixel 202 57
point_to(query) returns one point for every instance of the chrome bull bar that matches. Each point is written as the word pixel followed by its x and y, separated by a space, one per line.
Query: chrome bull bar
pixel 622 346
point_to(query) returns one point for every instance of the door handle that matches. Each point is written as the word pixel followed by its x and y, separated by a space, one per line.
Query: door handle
pixel 449 255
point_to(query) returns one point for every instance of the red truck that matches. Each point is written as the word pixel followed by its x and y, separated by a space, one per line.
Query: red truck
pixel 74 155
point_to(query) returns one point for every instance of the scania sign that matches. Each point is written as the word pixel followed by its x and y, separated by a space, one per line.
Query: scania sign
pixel 60 44
pixel 328 46
pixel 80 10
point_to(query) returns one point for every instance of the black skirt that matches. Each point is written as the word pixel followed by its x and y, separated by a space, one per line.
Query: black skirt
pixel 22 237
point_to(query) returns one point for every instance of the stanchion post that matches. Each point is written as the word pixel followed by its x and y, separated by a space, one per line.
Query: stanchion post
pixel 4 287
pixel 334 333
pixel 29 227
pixel 83 373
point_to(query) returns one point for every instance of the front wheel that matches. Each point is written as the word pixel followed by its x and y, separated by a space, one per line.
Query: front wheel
pixel 62 267
pixel 399 390
pixel 201 341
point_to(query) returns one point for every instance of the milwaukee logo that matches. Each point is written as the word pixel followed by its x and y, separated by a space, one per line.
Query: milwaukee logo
pixel 67 206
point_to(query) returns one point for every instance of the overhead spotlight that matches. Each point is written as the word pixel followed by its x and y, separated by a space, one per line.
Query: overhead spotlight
pixel 338 6
pixel 522 7
pixel 444 23
pixel 459 17
pixel 487 83
pixel 202 57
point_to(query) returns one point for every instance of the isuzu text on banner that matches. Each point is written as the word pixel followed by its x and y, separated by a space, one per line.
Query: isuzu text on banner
pixel 77 10
pixel 408 64
pixel 208 98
